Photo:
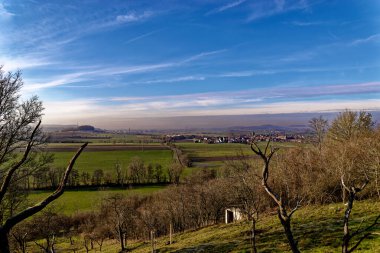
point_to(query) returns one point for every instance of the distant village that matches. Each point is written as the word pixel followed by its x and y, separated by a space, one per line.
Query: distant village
pixel 243 139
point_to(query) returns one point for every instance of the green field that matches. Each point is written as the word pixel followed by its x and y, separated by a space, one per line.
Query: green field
pixel 317 228
pixel 106 160
pixel 214 150
pixel 86 200
pixel 224 149
pixel 102 144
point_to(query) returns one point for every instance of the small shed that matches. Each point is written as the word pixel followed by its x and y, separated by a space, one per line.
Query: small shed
pixel 233 214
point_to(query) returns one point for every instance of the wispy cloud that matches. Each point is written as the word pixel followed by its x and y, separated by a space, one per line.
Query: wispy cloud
pixel 31 85
pixel 308 23
pixel 270 100
pixel 104 71
pixel 264 94
pixel 4 13
pixel 141 37
pixel 92 111
pixel 226 7
pixel 52 33
pixel 173 80
pixel 13 63
pixel 133 17
pixel 202 55
pixel 372 38
pixel 263 9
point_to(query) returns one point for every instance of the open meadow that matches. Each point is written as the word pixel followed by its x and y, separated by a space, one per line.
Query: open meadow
pixel 85 200
pixel 92 160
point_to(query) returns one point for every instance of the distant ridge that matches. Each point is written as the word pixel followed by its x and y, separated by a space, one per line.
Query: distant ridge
pixel 211 122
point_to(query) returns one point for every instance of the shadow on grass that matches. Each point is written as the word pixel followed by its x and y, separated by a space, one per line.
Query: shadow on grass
pixel 217 248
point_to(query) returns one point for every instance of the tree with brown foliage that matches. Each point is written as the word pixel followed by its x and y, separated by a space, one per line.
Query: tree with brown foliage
pixel 120 213
pixel 353 145
pixel 319 126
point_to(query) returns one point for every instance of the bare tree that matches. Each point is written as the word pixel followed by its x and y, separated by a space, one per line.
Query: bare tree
pixel 250 200
pixel 349 125
pixel 319 126
pixel 47 226
pixel 174 172
pixel 136 170
pixel 20 130
pixel 120 213
pixel 355 165
pixel 20 237
pixel 284 214
pixel 353 190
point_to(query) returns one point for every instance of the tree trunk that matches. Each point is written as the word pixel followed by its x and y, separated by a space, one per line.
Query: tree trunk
pixel 285 222
pixel 346 230
pixel 170 233
pixel 253 236
pixel 4 244
pixel 121 238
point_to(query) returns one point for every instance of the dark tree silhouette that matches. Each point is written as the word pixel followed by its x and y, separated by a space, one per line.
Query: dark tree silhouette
pixel 20 130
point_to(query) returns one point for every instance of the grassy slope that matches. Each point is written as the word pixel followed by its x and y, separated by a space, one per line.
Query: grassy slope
pixel 318 229
pixel 87 200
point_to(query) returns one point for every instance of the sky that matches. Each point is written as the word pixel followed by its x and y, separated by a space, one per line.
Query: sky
pixel 108 63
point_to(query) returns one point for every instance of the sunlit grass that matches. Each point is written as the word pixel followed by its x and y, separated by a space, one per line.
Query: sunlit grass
pixel 317 228
pixel 106 160
pixel 86 200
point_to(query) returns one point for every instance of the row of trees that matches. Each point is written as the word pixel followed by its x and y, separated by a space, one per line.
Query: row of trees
pixel 136 173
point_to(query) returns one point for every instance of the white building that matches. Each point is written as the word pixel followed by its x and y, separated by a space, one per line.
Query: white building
pixel 233 214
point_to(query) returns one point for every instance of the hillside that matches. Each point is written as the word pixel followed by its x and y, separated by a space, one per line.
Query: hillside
pixel 318 229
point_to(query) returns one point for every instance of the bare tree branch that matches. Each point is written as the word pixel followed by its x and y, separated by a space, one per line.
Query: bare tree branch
pixel 298 205
pixel 358 243
pixel 57 193
pixel 359 231
pixel 11 171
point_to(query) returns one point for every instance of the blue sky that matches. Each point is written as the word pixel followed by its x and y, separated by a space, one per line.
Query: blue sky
pixel 104 62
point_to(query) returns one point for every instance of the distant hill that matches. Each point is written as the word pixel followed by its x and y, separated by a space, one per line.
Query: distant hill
pixel 215 122
pixel 86 128
pixel 269 128
pixel 68 128
pixel 55 128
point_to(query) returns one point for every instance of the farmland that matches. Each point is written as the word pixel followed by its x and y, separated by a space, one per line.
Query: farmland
pixel 73 201
pixel 198 150
pixel 105 156
pixel 106 160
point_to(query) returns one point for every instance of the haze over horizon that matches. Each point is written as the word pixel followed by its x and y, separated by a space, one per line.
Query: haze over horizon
pixel 110 63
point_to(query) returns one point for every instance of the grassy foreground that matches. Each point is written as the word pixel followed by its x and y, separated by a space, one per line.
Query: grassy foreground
pixel 317 228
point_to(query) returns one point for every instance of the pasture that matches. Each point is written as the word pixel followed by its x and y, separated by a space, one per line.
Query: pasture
pixel 88 199
pixel 106 160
